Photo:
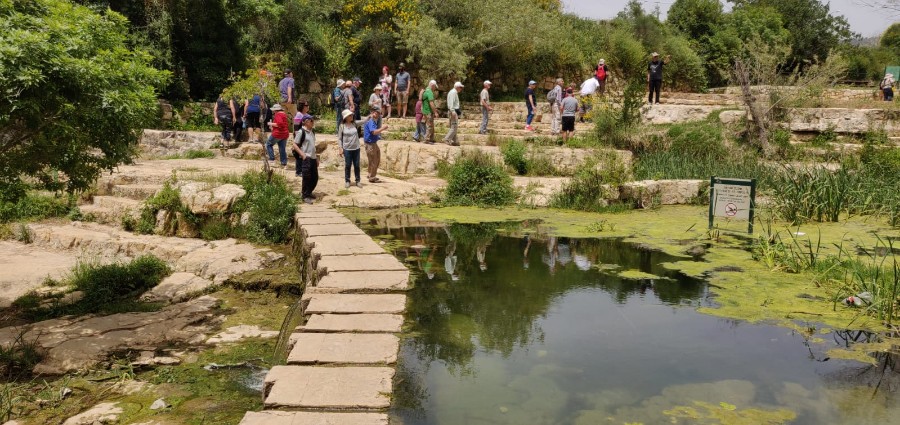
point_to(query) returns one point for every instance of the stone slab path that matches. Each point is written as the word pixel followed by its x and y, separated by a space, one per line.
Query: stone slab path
pixel 341 364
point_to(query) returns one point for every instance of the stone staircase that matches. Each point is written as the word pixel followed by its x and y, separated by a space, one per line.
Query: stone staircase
pixel 342 358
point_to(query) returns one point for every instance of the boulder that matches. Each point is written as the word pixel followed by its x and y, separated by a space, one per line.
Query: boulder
pixel 200 199
pixel 647 193
pixel 103 413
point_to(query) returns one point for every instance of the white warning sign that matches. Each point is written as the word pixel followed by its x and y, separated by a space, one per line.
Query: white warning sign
pixel 732 201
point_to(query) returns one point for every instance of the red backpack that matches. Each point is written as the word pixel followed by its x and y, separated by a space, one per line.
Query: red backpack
pixel 601 73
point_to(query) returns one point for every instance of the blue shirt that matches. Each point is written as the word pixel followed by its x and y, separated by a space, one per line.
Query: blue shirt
pixel 253 104
pixel 284 85
pixel 368 129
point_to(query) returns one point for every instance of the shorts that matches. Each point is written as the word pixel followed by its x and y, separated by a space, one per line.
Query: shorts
pixel 402 97
pixel 252 120
pixel 568 123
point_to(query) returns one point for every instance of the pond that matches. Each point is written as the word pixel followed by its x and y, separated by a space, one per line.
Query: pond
pixel 506 325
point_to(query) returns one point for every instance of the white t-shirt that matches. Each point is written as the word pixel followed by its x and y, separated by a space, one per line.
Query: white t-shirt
pixel 589 86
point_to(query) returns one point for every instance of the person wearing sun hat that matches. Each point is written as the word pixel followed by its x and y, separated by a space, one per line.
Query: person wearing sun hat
pixel 453 111
pixel 485 100
pixel 887 87
pixel 280 134
pixel 655 76
pixel 429 110
pixel 348 141
pixel 304 149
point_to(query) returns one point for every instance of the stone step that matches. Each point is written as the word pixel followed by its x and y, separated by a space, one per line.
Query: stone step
pixel 111 209
pixel 344 348
pixel 274 417
pixel 319 387
pixel 328 219
pixel 345 229
pixel 139 192
pixel 368 281
pixel 344 245
pixel 351 263
pixel 354 303
pixel 361 323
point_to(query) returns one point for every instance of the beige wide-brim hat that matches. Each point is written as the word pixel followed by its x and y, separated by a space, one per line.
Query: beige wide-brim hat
pixel 277 107
pixel 345 114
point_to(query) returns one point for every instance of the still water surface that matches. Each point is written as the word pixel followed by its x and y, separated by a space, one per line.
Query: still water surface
pixel 533 329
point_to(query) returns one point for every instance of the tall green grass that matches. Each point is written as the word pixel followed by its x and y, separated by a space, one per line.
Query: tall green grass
pixel 591 186
pixel 477 179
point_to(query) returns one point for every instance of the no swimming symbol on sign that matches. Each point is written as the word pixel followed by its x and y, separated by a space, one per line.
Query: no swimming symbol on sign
pixel 732 199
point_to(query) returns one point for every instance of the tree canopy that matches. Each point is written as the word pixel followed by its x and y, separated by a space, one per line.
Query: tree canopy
pixel 75 96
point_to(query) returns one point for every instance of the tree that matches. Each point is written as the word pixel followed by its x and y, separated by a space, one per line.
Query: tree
pixel 697 19
pixel 814 31
pixel 891 38
pixel 74 95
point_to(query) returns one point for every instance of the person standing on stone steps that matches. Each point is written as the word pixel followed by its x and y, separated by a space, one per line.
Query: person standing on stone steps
pixel 401 87
pixel 485 100
pixel 371 135
pixel 280 133
pixel 530 103
pixel 429 110
pixel 655 76
pixel 304 149
pixel 453 113
pixel 569 109
pixel 225 115
pixel 357 98
pixel 555 98
pixel 348 141
pixel 420 124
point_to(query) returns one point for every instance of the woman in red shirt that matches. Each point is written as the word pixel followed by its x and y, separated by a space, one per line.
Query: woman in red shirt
pixel 280 134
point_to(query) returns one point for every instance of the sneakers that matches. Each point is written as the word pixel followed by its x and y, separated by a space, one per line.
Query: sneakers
pixel 529 128
pixel 358 184
pixel 309 200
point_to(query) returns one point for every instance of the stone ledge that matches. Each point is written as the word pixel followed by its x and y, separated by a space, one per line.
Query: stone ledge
pixel 367 281
pixel 344 348
pixel 371 323
pixel 355 303
pixel 333 229
pixel 344 245
pixel 351 263
pixel 313 418
pixel 318 387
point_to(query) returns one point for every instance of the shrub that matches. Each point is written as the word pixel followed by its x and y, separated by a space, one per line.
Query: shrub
pixel 590 186
pixel 193 154
pixel 107 284
pixel 514 156
pixel 169 199
pixel 476 179
pixel 34 207
pixel 271 205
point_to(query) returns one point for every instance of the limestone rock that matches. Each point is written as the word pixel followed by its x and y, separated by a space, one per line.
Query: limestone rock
pixel 732 117
pixel 26 267
pixel 103 413
pixel 237 333
pixel 177 287
pixel 648 193
pixel 73 343
pixel 673 114
pixel 197 197
pixel 159 404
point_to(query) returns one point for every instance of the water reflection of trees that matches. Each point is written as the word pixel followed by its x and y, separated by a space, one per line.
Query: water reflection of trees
pixel 506 283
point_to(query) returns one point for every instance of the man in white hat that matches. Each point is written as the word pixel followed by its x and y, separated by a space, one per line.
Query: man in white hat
pixel 530 103
pixel 429 110
pixel 887 87
pixel 655 76
pixel 486 108
pixel 453 111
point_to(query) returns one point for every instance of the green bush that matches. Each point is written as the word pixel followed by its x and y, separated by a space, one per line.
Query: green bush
pixel 271 205
pixel 104 285
pixel 193 154
pixel 514 153
pixel 34 207
pixel 590 187
pixel 698 139
pixel 476 179
pixel 169 199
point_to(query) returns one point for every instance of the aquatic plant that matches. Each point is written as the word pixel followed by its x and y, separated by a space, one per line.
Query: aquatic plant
pixel 590 187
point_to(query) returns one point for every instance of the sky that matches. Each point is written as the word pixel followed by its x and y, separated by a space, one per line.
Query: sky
pixel 863 20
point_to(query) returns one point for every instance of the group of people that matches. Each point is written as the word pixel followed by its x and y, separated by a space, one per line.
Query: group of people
pixel 355 133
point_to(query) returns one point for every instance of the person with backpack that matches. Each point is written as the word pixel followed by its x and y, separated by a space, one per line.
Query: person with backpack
pixel 338 101
pixel 887 87
pixel 239 124
pixel 348 141
pixel 280 133
pixel 420 125
pixel 357 98
pixel 555 97
pixel 371 135
pixel 601 74
pixel 304 149
pixel 225 115
pixel 252 109
pixel 530 103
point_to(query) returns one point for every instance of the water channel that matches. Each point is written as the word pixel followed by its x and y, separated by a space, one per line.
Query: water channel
pixel 510 326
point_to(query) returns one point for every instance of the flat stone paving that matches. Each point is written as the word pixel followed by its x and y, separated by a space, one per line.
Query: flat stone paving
pixel 368 281
pixel 353 323
pixel 355 303
pixel 343 357
pixel 321 387
pixel 350 348
pixel 274 417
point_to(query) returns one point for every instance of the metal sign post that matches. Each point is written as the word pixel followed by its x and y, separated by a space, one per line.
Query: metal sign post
pixel 733 199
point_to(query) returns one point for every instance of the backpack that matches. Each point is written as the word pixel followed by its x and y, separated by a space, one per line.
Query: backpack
pixel 886 84
pixel 337 95
pixel 601 73
pixel 552 96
